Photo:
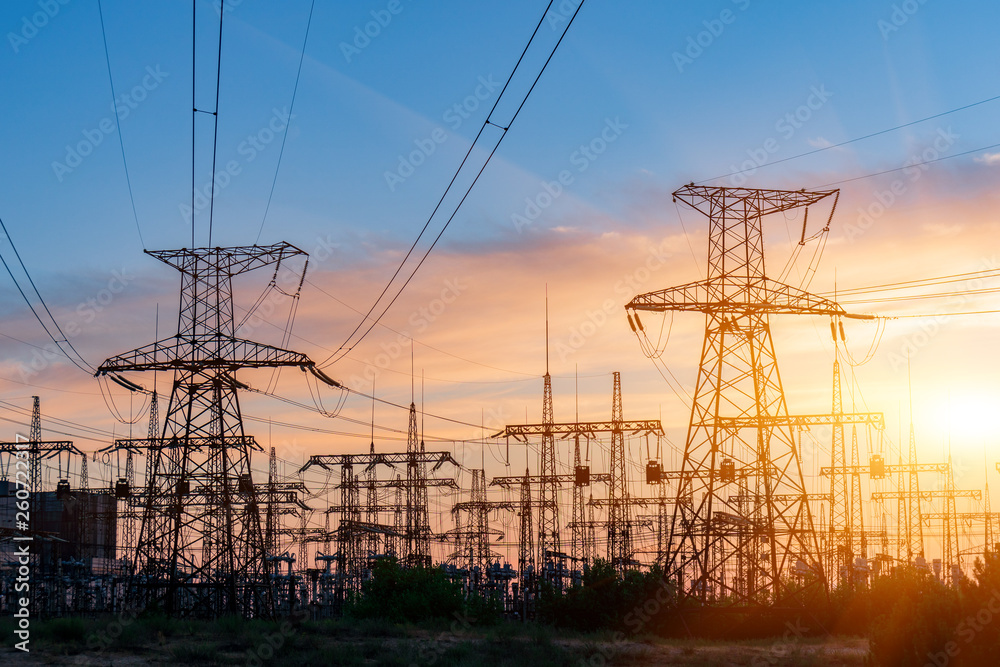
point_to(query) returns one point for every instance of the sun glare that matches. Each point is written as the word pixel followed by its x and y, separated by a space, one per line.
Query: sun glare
pixel 965 417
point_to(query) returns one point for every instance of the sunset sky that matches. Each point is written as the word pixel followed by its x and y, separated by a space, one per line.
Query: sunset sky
pixel 640 98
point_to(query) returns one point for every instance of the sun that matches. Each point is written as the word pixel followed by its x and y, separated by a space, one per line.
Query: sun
pixel 964 418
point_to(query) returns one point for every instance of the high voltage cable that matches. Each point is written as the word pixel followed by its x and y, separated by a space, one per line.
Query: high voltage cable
pixel 906 166
pixel 215 138
pixel 918 282
pixel 913 297
pixel 89 368
pixel 291 107
pixel 472 146
pixel 118 124
pixel 851 141
pixel 530 376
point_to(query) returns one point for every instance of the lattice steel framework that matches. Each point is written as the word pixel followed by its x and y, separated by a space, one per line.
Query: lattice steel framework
pixel 619 511
pixel 201 550
pixel 740 551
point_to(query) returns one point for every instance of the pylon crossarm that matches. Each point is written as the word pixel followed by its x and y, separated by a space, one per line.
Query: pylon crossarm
pixel 737 295
pixel 194 443
pixel 565 430
pixel 45 449
pixel 202 352
pixel 928 495
pixel 716 202
pixel 890 469
pixel 877 419
pixel 226 261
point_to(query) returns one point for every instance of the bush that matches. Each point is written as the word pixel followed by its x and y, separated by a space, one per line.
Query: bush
pixel 633 601
pixel 914 617
pixel 407 595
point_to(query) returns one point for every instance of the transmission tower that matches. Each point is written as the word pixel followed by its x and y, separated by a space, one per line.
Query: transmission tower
pixel 619 528
pixel 201 548
pixel 620 547
pixel 740 551
pixel 548 514
pixel 526 550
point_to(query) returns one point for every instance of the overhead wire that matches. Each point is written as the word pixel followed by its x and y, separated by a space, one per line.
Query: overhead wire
pixel 908 165
pixel 530 376
pixel 918 282
pixel 488 122
pixel 215 114
pixel 850 141
pixel 284 136
pixel 86 366
pixel 118 124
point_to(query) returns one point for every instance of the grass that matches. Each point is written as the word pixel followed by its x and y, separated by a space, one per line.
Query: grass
pixel 373 643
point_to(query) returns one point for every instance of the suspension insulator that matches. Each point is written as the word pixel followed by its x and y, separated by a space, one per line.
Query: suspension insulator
pixel 638 322
pixel 841 325
pixel 630 322
pixel 833 331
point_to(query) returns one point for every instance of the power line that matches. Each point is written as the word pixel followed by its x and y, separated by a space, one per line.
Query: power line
pixel 907 166
pixel 118 124
pixel 461 166
pixel 284 136
pixel 919 282
pixel 89 368
pixel 914 297
pixel 430 347
pixel 215 138
pixel 851 141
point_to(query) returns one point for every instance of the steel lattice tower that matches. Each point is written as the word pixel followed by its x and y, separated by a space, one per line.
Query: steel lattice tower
pixel 200 550
pixel 619 526
pixel 525 548
pixel 914 524
pixel 840 538
pixel 418 524
pixel 859 539
pixel 739 441
pixel 548 513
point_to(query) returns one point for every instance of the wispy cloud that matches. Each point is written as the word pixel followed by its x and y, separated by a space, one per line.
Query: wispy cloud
pixel 989 159
pixel 820 142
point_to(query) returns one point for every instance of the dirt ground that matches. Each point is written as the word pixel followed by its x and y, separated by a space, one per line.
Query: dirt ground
pixel 839 651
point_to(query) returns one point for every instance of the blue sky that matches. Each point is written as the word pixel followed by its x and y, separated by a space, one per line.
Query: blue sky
pixel 679 113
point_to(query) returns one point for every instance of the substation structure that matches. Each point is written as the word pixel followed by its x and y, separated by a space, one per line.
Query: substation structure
pixel 183 524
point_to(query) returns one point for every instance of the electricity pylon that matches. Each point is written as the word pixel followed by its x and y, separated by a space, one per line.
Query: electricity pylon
pixel 619 525
pixel 201 550
pixel 740 434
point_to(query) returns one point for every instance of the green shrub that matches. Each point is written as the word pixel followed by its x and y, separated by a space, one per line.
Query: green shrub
pixel 407 595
